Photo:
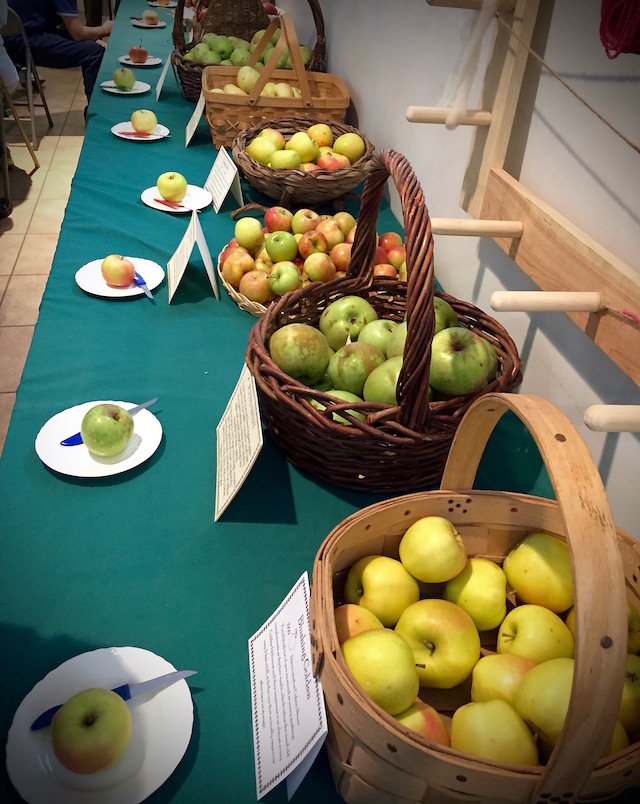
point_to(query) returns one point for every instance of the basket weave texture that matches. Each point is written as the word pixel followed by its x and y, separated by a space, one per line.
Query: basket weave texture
pixel 238 18
pixel 372 756
pixel 322 94
pixel 308 188
pixel 398 448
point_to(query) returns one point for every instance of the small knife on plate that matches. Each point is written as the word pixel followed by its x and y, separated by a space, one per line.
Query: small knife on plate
pixel 142 284
pixel 171 204
pixel 126 692
pixel 76 439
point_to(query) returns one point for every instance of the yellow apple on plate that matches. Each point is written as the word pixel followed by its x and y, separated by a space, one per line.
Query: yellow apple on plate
pixel 444 641
pixel 382 664
pixel 481 590
pixel 382 585
pixel 538 569
pixel 493 730
pixel 144 120
pixel 150 17
pixel 432 549
pixel 498 675
pixel 117 271
pixel 91 731
pixel 172 186
pixel 535 632
pixel 352 619
pixel 426 721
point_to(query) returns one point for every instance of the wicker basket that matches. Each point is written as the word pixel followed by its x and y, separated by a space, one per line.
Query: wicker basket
pixel 322 94
pixel 239 18
pixel 291 187
pixel 396 449
pixel 373 757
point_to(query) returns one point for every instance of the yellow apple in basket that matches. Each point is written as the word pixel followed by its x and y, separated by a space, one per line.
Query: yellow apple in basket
pixel 539 571
pixel 350 145
pixel 321 134
pixel 630 705
pixel 498 675
pixel 304 145
pixel 432 550
pixel 352 619
pixel 535 632
pixel 426 721
pixel 172 186
pixel 493 730
pixel 247 77
pixel 91 731
pixel 444 640
pixel 382 664
pixel 382 585
pixel 633 624
pixel 481 590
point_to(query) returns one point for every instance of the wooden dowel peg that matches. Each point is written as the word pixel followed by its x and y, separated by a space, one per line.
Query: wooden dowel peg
pixel 534 301
pixel 437 114
pixel 472 227
pixel 506 6
pixel 613 418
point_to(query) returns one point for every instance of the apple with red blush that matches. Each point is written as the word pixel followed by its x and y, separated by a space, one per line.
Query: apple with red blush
pixel 340 255
pixel 389 240
pixel 311 242
pixel 278 219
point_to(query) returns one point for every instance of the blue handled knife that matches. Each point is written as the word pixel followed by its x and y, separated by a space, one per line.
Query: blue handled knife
pixel 126 692
pixel 142 284
pixel 76 439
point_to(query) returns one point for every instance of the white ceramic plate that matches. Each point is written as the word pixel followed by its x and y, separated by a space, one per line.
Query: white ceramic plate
pixel 78 461
pixel 160 733
pixel 140 24
pixel 196 198
pixel 90 279
pixel 152 61
pixel 170 4
pixel 139 88
pixel 158 133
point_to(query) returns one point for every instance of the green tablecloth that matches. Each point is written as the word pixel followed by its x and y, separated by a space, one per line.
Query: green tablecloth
pixel 137 559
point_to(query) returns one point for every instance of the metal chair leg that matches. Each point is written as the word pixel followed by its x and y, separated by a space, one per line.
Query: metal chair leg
pixel 16 117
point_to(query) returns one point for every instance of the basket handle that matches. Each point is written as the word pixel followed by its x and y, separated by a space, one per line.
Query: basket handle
pixel 596 564
pixel 289 39
pixel 413 382
pixel 178 25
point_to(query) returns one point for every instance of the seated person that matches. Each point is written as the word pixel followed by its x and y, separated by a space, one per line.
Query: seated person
pixel 58 38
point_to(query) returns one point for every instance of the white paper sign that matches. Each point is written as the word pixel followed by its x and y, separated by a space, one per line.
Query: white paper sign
pixel 163 75
pixel 238 441
pixel 192 125
pixel 222 178
pixel 289 718
pixel 179 261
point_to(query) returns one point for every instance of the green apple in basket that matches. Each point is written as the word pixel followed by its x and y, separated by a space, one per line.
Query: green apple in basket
pixel 382 585
pixel 444 640
pixel 481 590
pixel 495 731
pixel 91 731
pixel 536 632
pixel 539 571
pixel 350 366
pixel 281 245
pixel 344 318
pixel 433 550
pixel 382 664
pixel 220 43
pixel 342 396
pixel 381 384
pixel 239 57
pixel 284 277
pixel 301 351
pixel 247 77
pixel 630 704
pixel 378 333
pixel 123 78
pixel 461 361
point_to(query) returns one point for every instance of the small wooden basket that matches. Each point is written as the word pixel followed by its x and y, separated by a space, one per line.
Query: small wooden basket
pixel 241 18
pixel 397 448
pixel 372 756
pixel 291 187
pixel 322 94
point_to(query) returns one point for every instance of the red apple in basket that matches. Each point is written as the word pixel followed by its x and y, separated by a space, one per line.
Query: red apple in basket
pixel 319 267
pixel 138 54
pixel 236 265
pixel 384 269
pixel 117 271
pixel 332 161
pixel 312 242
pixel 304 220
pixel 331 230
pixel 380 256
pixel 278 219
pixel 340 255
pixel 396 256
pixel 256 287
pixel 426 721
pixel 389 240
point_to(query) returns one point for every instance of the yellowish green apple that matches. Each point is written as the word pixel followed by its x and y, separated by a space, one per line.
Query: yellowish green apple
pixel 498 675
pixel 433 550
pixel 172 186
pixel 426 721
pixel 352 619
pixel 481 590
pixel 630 705
pixel 382 585
pixel 538 569
pixel 535 632
pixel 493 730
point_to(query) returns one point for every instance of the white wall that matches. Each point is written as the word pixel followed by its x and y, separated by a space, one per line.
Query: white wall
pixel 396 54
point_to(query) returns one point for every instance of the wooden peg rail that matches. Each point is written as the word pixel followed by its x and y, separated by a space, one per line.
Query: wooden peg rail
pixel 613 418
pixel 529 301
pixel 558 256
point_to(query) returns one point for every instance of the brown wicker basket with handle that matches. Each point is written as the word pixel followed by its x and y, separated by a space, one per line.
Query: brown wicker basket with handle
pixel 398 448
pixel 321 94
pixel 309 188
pixel 373 757
pixel 241 18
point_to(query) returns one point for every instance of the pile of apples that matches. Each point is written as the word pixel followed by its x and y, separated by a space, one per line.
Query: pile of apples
pixel 233 51
pixel 316 148
pixel 412 627
pixel 355 356
pixel 263 261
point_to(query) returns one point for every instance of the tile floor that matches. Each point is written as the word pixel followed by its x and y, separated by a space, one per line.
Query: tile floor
pixel 28 238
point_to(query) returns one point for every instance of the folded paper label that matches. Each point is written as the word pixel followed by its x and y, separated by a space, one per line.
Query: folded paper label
pixel 289 718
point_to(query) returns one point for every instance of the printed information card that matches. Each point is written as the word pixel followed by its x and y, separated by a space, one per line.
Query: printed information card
pixel 287 704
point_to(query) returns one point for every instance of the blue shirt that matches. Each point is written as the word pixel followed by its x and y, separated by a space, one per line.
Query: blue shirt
pixel 40 16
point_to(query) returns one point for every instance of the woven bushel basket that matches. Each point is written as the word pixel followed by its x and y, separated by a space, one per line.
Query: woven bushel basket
pixel 375 759
pixel 308 188
pixel 398 448
pixel 241 18
pixel 322 94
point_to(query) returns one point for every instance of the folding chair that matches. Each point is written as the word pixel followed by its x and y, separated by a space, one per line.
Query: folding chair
pixel 14 27
pixel 7 101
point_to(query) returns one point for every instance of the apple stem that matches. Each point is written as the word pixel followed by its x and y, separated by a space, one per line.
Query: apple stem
pixel 89 720
pixel 421 666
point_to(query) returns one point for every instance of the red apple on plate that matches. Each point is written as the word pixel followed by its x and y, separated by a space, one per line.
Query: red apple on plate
pixel 138 54
pixel 117 271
